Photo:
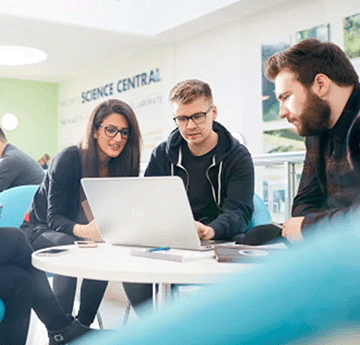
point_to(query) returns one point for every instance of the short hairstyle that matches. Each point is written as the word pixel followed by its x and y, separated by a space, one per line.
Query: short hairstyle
pixel 189 90
pixel 309 58
pixel 2 135
pixel 128 162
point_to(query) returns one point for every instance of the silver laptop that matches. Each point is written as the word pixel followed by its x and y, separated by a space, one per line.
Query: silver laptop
pixel 144 211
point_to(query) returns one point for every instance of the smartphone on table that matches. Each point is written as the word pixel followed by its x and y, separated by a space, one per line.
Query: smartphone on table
pixel 86 244
pixel 53 252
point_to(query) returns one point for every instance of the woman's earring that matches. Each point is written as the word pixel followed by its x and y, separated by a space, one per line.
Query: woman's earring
pixel 95 136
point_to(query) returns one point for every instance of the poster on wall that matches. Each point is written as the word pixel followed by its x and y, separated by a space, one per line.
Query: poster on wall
pixel 142 83
pixel 352 40
pixel 321 32
pixel 283 140
pixel 270 105
pixel 141 91
pixel 278 135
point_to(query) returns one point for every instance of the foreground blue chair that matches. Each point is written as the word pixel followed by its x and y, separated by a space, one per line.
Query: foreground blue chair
pixel 15 202
pixel 302 295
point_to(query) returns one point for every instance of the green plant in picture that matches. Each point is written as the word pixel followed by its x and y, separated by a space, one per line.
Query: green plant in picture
pixel 282 148
pixel 269 101
pixel 352 36
pixel 282 140
pixel 321 32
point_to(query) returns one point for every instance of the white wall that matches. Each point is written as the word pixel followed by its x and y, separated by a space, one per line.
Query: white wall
pixel 153 118
pixel 229 58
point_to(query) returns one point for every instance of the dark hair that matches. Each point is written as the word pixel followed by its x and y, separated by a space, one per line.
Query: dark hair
pixel 189 90
pixel 128 162
pixel 2 135
pixel 311 57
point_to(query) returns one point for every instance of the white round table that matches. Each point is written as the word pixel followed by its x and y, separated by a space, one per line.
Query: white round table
pixel 115 263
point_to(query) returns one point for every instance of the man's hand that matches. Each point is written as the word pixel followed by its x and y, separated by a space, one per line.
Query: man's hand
pixel 291 229
pixel 205 232
pixel 89 231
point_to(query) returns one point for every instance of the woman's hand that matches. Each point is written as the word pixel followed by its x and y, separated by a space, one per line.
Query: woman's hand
pixel 89 231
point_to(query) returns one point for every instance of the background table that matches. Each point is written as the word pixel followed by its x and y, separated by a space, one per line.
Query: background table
pixel 115 263
pixel 288 160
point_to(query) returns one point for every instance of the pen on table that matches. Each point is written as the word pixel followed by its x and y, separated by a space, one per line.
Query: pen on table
pixel 158 249
pixel 276 224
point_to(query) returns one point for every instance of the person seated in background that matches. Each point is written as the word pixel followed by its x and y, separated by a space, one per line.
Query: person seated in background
pixel 319 92
pixel 57 215
pixel 216 169
pixel 44 161
pixel 16 167
pixel 306 294
pixel 23 287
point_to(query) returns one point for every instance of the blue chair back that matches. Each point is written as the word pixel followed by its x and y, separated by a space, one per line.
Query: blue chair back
pixel 2 309
pixel 15 202
pixel 261 213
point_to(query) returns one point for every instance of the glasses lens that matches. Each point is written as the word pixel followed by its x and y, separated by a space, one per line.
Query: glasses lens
pixel 199 118
pixel 181 120
pixel 125 132
pixel 110 131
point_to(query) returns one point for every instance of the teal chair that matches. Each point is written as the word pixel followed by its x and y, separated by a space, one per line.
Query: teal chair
pixel 259 230
pixel 308 294
pixel 15 202
pixel 261 213
pixel 2 310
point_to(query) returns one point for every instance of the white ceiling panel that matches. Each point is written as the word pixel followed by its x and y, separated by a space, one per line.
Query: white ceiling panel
pixel 80 34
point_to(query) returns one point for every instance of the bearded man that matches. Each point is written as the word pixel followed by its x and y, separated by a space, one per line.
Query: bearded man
pixel 319 92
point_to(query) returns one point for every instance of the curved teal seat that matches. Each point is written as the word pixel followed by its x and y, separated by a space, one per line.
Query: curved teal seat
pixel 254 233
pixel 15 202
pixel 261 213
pixel 2 309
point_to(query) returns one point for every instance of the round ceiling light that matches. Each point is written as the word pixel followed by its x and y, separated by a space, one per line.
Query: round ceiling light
pixel 16 55
pixel 9 122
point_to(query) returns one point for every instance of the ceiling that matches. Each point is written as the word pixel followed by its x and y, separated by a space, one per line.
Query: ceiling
pixel 78 34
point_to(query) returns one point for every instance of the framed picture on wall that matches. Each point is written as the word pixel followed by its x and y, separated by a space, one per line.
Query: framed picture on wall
pixel 321 32
pixel 278 135
pixel 270 105
pixel 352 39
pixel 282 140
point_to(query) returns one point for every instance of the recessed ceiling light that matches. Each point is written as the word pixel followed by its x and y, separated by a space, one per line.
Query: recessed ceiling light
pixel 16 55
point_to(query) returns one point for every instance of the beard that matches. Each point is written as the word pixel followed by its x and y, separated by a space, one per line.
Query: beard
pixel 315 117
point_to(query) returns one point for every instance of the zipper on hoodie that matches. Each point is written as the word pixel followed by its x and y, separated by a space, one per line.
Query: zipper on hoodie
pixel 178 164
pixel 216 199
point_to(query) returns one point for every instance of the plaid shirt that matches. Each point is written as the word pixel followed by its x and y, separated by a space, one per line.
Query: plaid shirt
pixel 330 181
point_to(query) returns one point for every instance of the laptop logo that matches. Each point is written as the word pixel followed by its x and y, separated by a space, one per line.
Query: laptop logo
pixel 137 212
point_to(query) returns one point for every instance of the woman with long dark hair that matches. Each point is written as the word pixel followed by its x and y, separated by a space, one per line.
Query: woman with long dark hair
pixel 57 216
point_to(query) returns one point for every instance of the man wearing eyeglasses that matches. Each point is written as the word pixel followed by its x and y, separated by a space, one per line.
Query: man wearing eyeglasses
pixel 216 169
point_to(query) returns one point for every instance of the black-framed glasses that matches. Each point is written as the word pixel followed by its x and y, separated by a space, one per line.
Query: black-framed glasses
pixel 197 118
pixel 112 132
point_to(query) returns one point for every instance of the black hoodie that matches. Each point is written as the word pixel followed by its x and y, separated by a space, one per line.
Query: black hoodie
pixel 231 177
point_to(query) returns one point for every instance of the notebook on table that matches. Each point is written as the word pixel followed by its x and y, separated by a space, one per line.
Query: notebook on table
pixel 144 211
pixel 246 253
